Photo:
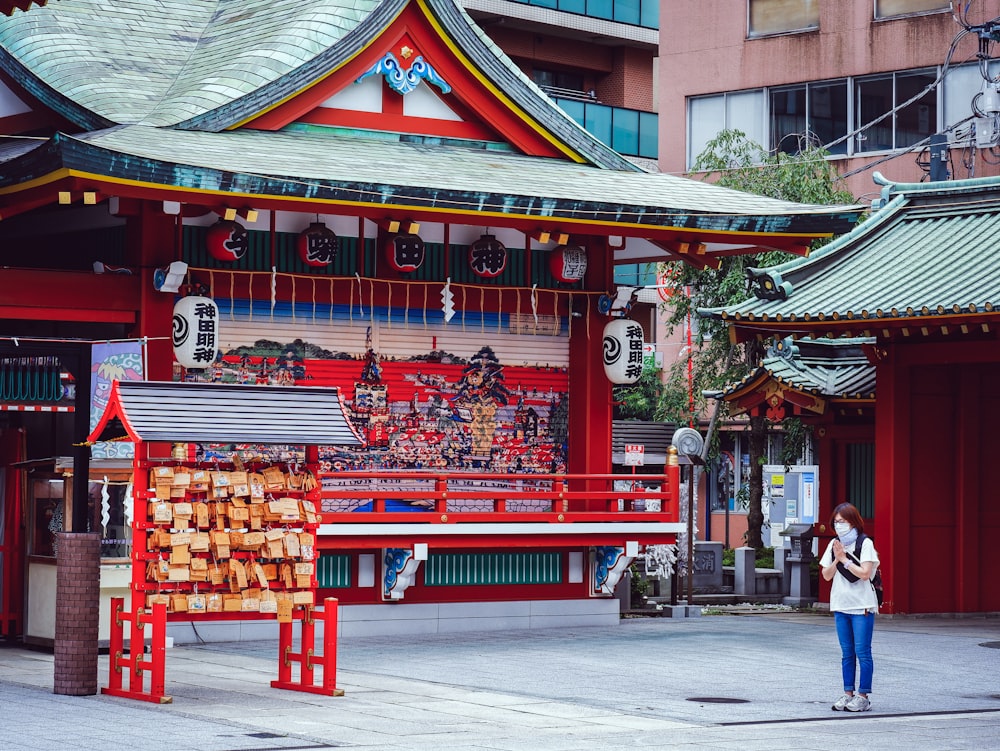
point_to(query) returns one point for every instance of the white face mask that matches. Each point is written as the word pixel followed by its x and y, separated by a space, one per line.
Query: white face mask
pixel 841 528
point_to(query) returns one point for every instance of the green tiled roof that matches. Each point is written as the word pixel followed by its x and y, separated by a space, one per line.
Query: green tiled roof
pixel 160 87
pixel 930 251
pixel 206 65
pixel 161 62
pixel 308 165
pixel 824 367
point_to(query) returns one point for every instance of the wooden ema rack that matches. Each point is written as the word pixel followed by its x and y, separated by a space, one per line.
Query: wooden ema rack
pixel 290 597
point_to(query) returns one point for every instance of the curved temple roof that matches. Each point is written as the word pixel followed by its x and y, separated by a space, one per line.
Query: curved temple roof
pixel 133 61
pixel 458 179
pixel 826 368
pixel 211 64
pixel 161 87
pixel 929 255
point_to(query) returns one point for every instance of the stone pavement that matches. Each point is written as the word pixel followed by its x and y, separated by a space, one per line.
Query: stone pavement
pixel 755 681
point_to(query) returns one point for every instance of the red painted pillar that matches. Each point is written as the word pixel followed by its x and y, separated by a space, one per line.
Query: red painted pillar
pixel 589 389
pixel 970 436
pixel 892 479
pixel 151 240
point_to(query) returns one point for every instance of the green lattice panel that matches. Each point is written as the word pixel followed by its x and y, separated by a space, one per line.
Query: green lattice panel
pixel 334 571
pixel 454 569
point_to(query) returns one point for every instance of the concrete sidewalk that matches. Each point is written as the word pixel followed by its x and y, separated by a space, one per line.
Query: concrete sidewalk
pixel 717 682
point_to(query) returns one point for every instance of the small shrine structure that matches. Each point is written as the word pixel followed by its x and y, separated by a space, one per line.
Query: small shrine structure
pixel 918 281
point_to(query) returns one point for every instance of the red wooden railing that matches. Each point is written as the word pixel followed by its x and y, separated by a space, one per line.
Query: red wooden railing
pixel 413 497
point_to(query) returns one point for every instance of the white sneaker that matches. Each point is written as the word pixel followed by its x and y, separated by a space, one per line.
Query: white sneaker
pixel 858 703
pixel 841 704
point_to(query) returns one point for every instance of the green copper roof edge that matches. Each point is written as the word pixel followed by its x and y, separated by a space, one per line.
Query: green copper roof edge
pixel 884 215
pixel 77 153
pixel 823 255
pixel 974 184
pixel 288 85
pixel 545 112
pixel 50 97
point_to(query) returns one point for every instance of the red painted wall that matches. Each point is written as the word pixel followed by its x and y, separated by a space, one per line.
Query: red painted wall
pixel 935 423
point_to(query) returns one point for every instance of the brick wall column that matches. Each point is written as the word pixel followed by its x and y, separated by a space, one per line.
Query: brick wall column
pixel 78 596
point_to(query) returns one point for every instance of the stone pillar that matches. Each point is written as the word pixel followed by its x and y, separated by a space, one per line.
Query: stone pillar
pixel 707 566
pixel 783 565
pixel 745 579
pixel 78 597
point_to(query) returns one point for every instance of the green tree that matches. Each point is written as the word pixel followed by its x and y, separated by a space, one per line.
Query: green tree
pixel 641 400
pixel 735 161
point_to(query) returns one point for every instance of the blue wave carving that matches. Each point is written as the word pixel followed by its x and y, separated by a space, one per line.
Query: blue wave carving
pixel 405 80
pixel 395 560
pixel 606 557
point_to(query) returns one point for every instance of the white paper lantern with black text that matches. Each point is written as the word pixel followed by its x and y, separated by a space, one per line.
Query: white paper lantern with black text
pixel 195 331
pixel 623 351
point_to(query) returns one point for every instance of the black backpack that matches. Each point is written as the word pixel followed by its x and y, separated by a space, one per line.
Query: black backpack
pixel 876 581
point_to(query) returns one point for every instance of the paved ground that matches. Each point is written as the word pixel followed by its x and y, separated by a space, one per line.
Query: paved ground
pixel 718 682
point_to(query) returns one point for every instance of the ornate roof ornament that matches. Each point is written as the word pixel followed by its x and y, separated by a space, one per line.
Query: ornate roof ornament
pixel 405 80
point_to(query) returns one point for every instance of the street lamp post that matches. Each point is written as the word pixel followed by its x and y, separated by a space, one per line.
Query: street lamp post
pixel 693 461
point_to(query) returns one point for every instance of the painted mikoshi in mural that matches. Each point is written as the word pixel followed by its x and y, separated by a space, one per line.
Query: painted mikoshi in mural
pixel 437 412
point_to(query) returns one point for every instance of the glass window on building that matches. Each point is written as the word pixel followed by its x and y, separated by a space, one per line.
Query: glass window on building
pixel 625 131
pixel 628 11
pixel 890 8
pixel 780 16
pixel 878 95
pixel 635 274
pixel 788 119
pixel 961 85
pixel 828 114
pixel 558 79
pixel 710 115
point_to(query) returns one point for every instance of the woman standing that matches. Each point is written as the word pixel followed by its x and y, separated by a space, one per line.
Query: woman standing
pixel 853 603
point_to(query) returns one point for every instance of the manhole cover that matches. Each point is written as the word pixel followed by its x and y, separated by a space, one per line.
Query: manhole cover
pixel 718 700
pixel 991 644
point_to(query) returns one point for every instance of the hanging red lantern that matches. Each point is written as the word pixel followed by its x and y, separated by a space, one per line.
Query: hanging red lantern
pixel 405 252
pixel 488 256
pixel 227 241
pixel 318 245
pixel 568 263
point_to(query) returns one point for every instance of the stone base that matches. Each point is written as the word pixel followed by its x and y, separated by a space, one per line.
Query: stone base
pixel 799 602
pixel 681 611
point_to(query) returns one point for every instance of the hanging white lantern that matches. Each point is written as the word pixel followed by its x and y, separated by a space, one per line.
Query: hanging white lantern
pixel 196 331
pixel 623 351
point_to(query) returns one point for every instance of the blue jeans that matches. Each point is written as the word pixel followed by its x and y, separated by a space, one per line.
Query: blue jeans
pixel 855 634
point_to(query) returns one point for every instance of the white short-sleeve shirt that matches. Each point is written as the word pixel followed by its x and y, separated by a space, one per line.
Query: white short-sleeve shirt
pixel 852 597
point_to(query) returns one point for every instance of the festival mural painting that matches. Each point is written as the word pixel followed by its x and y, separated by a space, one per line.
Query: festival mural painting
pixel 437 411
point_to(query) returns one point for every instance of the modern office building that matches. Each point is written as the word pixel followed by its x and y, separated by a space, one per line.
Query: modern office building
pixel 596 58
pixel 872 80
